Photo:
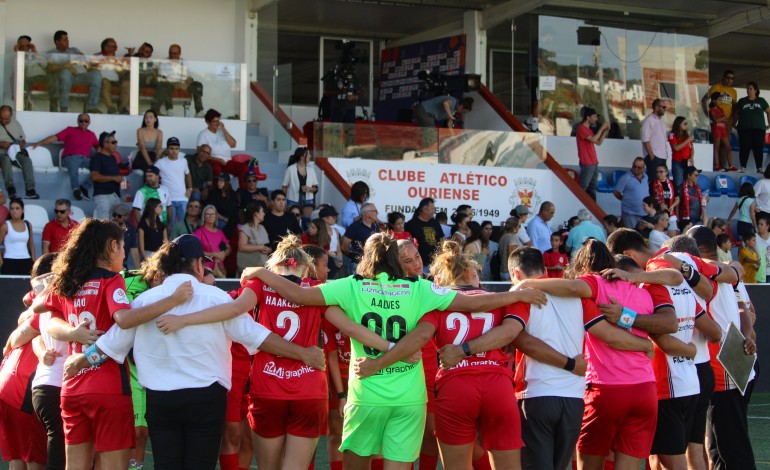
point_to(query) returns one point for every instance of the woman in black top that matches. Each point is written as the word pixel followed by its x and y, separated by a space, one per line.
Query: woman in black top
pixel 151 231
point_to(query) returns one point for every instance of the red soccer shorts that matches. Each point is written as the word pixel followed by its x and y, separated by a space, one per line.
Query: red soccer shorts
pixel 718 132
pixel 271 418
pixel 22 435
pixel 619 418
pixel 237 401
pixel 105 420
pixel 485 403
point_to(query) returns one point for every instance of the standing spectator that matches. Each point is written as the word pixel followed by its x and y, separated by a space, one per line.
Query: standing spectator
pixel 477 246
pixel 749 258
pixel 680 140
pixel 278 222
pixel 152 189
pixel 750 115
pixel 175 177
pixel 173 75
pixel 78 142
pixel 426 230
pixel 201 173
pixel 763 247
pixel 329 215
pixel 151 230
pixel 253 241
pixel 584 230
pixel 654 136
pixel 762 192
pixel 300 183
pixel 359 231
pixel 522 212
pixel 190 223
pixel 586 148
pixel 538 229
pixel 719 135
pixel 556 259
pixel 149 140
pixel 105 174
pixel 396 226
pixel 251 192
pixel 693 205
pixel 13 133
pixel 215 244
pixel 507 244
pixel 351 211
pixel 724 246
pixel 57 232
pixel 631 189
pixel 460 230
pixel 220 141
pixel 727 103
pixel 746 206
pixel 443 220
pixel 224 200
pixel 16 236
pixel 69 66
pixel 663 190
pixel 120 213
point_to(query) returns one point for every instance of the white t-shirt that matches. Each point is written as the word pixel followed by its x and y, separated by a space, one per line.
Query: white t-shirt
pixel 172 176
pixel 762 191
pixel 219 146
pixel 764 245
pixel 53 374
pixel 657 239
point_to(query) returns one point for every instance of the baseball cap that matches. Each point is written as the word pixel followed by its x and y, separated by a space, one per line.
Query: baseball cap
pixel 172 141
pixel 690 170
pixel 327 212
pixel 152 169
pixel 190 247
pixel 224 177
pixel 103 136
pixel 122 209
pixel 520 210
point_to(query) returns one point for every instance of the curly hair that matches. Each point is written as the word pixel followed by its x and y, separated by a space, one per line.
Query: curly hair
pixel 450 266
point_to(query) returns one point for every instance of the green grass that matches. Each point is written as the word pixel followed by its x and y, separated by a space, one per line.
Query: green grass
pixel 759 430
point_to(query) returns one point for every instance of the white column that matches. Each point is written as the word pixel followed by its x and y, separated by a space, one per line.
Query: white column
pixel 476 45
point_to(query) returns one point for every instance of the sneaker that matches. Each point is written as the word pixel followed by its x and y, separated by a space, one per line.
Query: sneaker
pixel 76 194
pixel 84 193
pixel 32 194
pixel 742 170
pixel 717 168
pixel 732 168
pixel 11 193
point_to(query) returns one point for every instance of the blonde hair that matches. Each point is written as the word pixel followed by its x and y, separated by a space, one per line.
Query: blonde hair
pixel 289 253
pixel 450 266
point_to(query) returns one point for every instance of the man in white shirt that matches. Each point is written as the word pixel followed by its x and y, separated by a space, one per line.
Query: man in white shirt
pixel 173 74
pixel 654 142
pixel 175 177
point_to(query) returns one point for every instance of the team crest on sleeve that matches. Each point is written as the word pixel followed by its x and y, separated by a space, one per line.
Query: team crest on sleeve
pixel 438 290
pixel 120 297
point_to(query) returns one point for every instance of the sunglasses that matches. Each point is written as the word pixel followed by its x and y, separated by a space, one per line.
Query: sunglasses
pixel 251 180
pixel 84 120
pixel 61 211
pixel 635 167
pixel 112 141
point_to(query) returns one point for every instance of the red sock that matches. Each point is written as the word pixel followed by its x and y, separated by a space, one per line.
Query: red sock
pixel 428 462
pixel 574 465
pixel 377 464
pixel 609 465
pixel 482 463
pixel 335 465
pixel 239 468
pixel 228 461
pixel 311 466
pixel 647 465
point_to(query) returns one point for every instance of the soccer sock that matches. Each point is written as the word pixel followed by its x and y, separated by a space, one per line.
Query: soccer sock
pixel 428 462
pixel 335 465
pixel 311 466
pixel 609 465
pixel 228 461
pixel 377 464
pixel 482 463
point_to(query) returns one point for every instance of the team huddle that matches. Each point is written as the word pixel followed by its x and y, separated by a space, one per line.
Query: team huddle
pixel 613 365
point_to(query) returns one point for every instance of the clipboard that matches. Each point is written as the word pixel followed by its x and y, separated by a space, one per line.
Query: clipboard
pixel 737 364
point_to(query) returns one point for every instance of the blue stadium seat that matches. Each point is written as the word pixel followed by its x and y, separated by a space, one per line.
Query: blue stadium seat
pixel 705 186
pixel 725 185
pixel 616 176
pixel 746 179
pixel 602 184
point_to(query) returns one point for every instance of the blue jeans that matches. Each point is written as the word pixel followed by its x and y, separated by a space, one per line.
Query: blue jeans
pixel 73 163
pixel 91 78
pixel 677 170
pixel 589 176
pixel 180 207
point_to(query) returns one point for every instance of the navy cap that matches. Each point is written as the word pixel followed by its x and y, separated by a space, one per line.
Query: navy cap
pixel 223 176
pixel 103 136
pixel 172 141
pixel 152 169
pixel 191 247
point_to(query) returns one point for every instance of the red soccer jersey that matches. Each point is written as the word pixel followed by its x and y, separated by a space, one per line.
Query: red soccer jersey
pixel 279 377
pixel 241 357
pixel 459 327
pixel 16 375
pixel 97 300
pixel 341 343
pixel 552 260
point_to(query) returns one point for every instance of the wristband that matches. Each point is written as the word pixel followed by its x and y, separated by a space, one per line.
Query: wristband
pixel 466 349
pixel 391 346
pixel 694 279
pixel 570 365
pixel 93 356
pixel 341 395
pixel 627 318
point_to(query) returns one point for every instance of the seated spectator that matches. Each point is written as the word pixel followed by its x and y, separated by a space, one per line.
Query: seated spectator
pixel 151 230
pixel 646 223
pixel 3 208
pixel 220 141
pixel 253 241
pixel 201 172
pixel 251 192
pixel 115 72
pixel 67 65
pixel 507 244
pixel 16 237
pixel 224 200
pixel 611 223
pixel 57 232
pixel 749 258
pixel 148 74
pixel 78 142
pixel 317 234
pixel 149 141
pixel 296 211
pixel 443 220
pixel 214 241
pixel 396 222
pixel 105 174
pixel 120 214
pixel 11 134
pixel 34 66
pixel 477 245
pixel 555 259
pixel 173 75
pixel 278 222
pixel 658 235
pixel 300 182
pixel 724 245
pixel 175 177
pixel 329 215
pixel 358 232
pixel 191 222
pixel 151 189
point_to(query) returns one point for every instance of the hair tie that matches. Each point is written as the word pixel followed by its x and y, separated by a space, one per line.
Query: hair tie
pixel 289 262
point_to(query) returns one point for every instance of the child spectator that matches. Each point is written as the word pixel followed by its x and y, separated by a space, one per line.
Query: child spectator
pixel 555 259
pixel 724 245
pixel 681 149
pixel 719 135
pixel 746 206
pixel 763 245
pixel 749 259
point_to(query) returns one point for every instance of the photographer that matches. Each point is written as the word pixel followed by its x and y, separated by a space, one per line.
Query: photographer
pixel 436 111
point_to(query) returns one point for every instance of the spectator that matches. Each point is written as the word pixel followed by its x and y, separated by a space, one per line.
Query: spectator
pixel 720 137
pixel 507 244
pixel 664 190
pixel 278 222
pixel 11 134
pixel 151 189
pixel 763 247
pixel 296 211
pixel 351 211
pixel 522 212
pixel 16 237
pixel 487 230
pixel 555 260
pixel 762 192
pixel 201 173
pixel 148 74
pixel 78 142
pixel 443 220
pixel 114 72
pixel 317 234
pixel 214 241
pixel 69 66
pixel 439 111
pixel 460 230
pixel 220 141
pixel 105 174
pixel 359 231
pixel 724 245
pixel 750 114
pixel 173 75
pixel 538 229
pixel 224 200
pixel 3 208
pixel 477 246
pixel 611 223
pixel 251 192
pixel 34 67
pixel 718 225
pixel 175 177
pixel 300 182
pixel 728 97
pixel 149 140
pixel 190 223
pixel 693 204
pixel 151 230
pixel 647 222
pixel 749 258
pixel 329 216
pixel 120 213
pixel 57 232
pixel 746 206
pixel 253 241
pixel 426 230
pixel 631 189
pixel 586 148
pixel 654 134
pixel 584 230
pixel 680 141
pixel 396 226
pixel 658 235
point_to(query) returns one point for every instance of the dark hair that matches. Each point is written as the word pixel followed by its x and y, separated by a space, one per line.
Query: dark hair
pixel 545 206
pixel 315 252
pixel 717 222
pixel 555 235
pixel 592 257
pixel 458 217
pixel 766 173
pixel 63 202
pixel 624 239
pixel 6 107
pixel 58 35
pixel 24 36
pixel 148 45
pixel 748 236
pixel 380 256
pixel 728 71
pixel 442 217
pixel 586 112
pixel 425 202
pixel 747 189
pixel 322 238
pixel 358 191
pixel 298 153
pixel 764 217
pixel 676 128
pixel 157 121
pixel 148 214
pixel 528 260
pixel 105 42
pixel 276 193
pixel 393 218
pixel 253 207
pixel 611 219
pixel 476 234
pixel 19 201
pixel 211 114
pixel 169 260
pixel 723 237
pixel 656 102
pixel 294 206
pixel 754 86
pixel 681 224
pixel 659 215
pixel 571 222
pixel 462 208
pixel 682 244
pixel 626 263
pixel 715 96
pixel 43 265
pixel 87 245
pixel 652 202
pixel 467 103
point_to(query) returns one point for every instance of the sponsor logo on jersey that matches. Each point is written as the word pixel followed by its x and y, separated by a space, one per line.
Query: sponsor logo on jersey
pixel 92 284
pixel 438 290
pixel 120 297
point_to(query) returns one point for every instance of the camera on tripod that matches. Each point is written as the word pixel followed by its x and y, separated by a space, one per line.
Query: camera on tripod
pixel 437 84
